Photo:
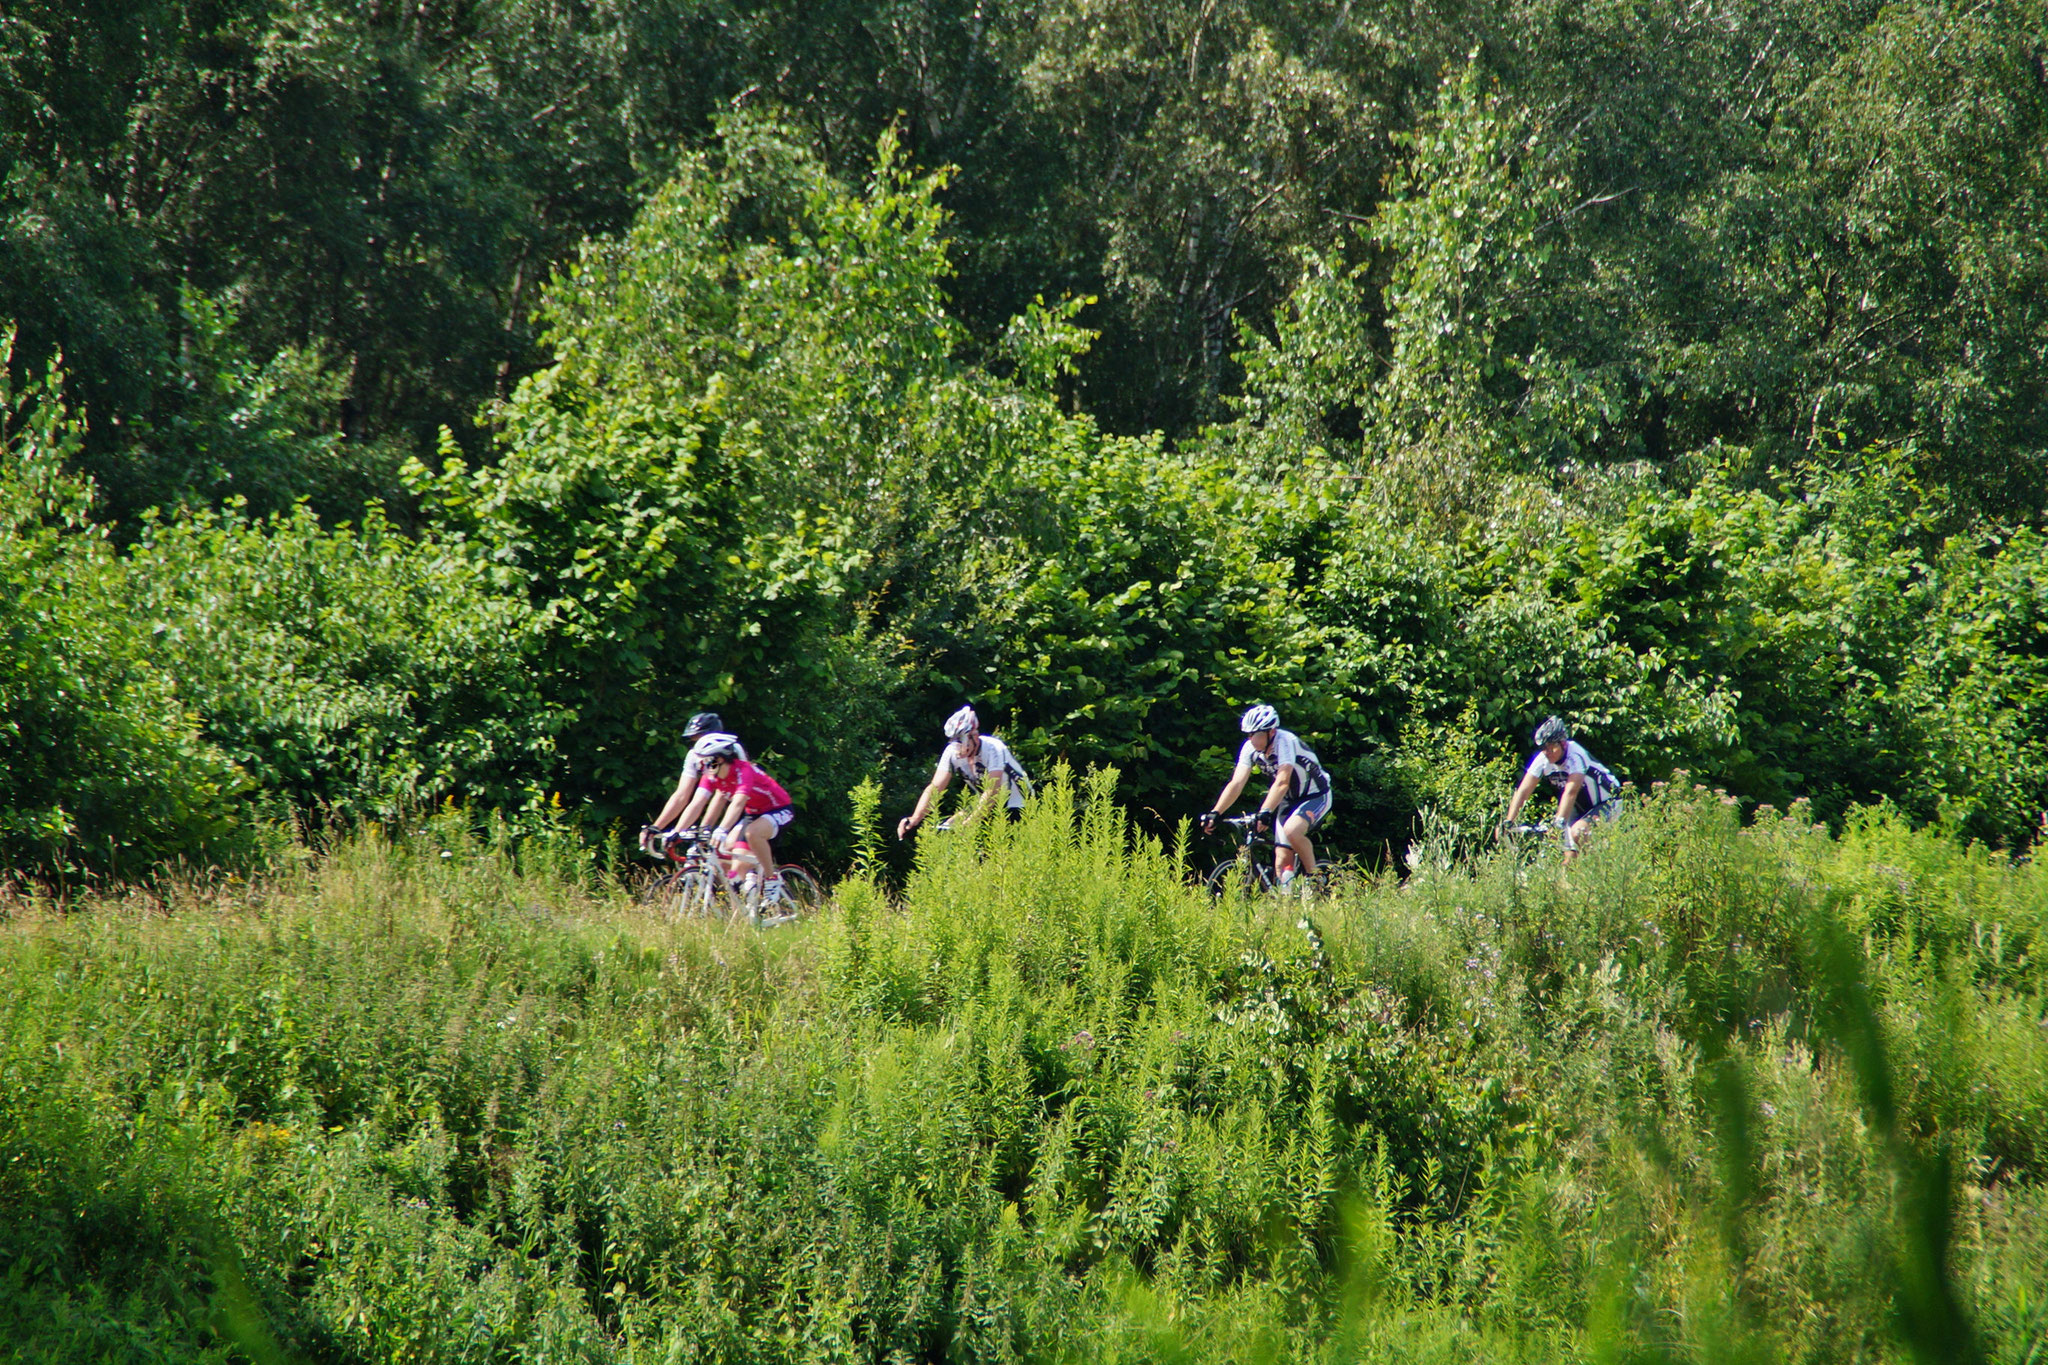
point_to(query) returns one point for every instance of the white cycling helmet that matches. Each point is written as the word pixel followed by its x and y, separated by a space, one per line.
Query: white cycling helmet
pixel 1260 717
pixel 960 722
pixel 1552 731
pixel 715 745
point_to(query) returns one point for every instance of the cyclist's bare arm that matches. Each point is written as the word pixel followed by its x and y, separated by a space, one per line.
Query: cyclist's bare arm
pixel 1232 789
pixel 994 787
pixel 1569 797
pixel 1276 795
pixel 1523 790
pixel 715 810
pixel 678 801
pixel 940 781
pixel 694 812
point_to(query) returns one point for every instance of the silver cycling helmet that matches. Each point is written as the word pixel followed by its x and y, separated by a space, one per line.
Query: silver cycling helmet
pixel 961 722
pixel 715 746
pixel 1552 731
pixel 1260 717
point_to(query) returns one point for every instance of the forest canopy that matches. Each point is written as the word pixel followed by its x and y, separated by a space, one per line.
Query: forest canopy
pixel 445 400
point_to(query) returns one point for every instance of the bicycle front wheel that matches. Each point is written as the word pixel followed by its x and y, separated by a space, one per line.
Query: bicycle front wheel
pixel 662 892
pixel 704 893
pixel 1248 879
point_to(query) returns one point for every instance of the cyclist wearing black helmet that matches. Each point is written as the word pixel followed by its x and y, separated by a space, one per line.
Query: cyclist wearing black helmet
pixel 1296 802
pixel 702 724
pixel 1586 791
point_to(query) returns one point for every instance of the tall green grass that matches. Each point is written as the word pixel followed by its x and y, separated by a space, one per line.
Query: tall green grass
pixel 444 1094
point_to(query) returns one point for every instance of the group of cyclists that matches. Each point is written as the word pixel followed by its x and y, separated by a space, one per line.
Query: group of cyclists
pixel 722 790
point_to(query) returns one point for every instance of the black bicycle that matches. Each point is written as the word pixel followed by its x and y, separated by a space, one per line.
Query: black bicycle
pixel 1249 871
pixel 696 882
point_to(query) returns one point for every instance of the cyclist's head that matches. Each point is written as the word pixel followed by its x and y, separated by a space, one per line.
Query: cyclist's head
pixel 1552 731
pixel 716 748
pixel 1260 717
pixel 962 723
pixel 703 723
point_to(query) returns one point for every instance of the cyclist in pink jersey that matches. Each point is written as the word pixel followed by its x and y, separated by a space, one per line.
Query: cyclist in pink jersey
pixel 737 795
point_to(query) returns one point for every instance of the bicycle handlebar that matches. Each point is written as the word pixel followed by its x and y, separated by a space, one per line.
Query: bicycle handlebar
pixel 1247 822
pixel 669 838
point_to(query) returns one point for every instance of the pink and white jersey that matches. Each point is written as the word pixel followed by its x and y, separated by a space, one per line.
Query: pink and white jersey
pixel 762 792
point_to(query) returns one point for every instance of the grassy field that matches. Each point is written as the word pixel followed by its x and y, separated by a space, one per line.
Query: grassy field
pixel 441 1094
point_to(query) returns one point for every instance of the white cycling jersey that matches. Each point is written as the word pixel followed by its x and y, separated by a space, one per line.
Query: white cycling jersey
pixel 994 756
pixel 1287 751
pixel 1600 783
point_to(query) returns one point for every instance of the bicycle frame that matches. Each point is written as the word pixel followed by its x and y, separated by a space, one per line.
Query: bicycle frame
pixel 701 878
pixel 1251 864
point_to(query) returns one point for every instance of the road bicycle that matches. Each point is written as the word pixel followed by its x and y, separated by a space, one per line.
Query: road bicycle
pixel 1249 871
pixel 697 882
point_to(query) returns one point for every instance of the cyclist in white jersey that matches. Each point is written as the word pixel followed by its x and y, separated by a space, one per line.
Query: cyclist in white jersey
pixel 984 761
pixel 1586 791
pixel 1298 799
pixel 701 724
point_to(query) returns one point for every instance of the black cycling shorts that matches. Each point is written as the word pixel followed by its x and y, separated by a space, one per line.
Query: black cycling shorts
pixel 1310 808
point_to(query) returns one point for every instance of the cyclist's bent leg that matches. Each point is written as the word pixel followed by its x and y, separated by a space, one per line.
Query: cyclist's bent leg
pixel 1295 846
pixel 1584 821
pixel 1294 843
pixel 735 854
pixel 761 830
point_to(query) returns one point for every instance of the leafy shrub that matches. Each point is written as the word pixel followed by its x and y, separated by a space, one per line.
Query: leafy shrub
pixel 354 670
pixel 106 767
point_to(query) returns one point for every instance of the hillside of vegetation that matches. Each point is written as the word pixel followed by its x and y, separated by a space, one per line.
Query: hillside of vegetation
pixel 420 401
pixel 441 1094
pixel 411 412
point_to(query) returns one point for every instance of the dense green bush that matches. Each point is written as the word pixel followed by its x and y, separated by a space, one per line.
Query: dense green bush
pixel 351 670
pixel 762 477
pixel 1980 679
pixel 106 768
